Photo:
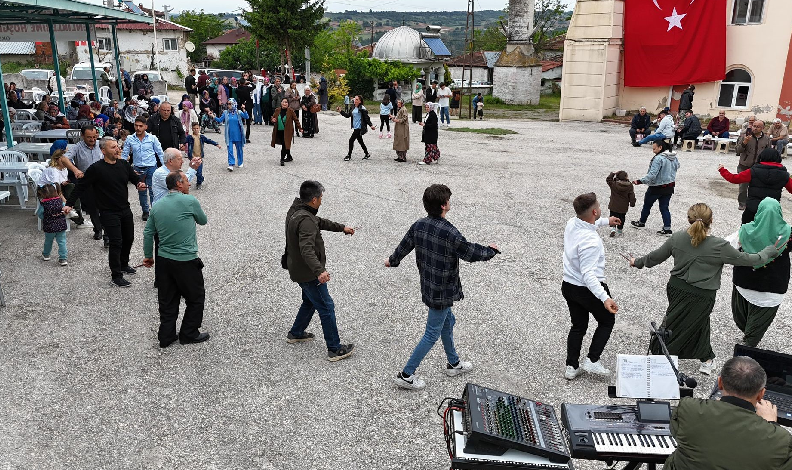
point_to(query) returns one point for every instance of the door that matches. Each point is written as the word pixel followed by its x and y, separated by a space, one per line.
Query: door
pixel 675 96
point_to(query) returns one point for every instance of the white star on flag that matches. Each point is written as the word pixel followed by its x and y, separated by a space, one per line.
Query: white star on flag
pixel 675 20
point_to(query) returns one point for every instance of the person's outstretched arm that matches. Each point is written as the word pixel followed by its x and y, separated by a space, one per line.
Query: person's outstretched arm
pixel 472 252
pixel 656 257
pixel 405 247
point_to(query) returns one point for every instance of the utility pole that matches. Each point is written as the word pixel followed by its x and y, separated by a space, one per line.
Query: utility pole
pixel 372 38
pixel 470 30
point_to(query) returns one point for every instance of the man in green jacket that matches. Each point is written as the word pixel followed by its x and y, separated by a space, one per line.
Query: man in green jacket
pixel 180 274
pixel 737 432
pixel 305 260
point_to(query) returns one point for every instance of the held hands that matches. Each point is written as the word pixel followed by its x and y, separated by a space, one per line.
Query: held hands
pixel 324 278
pixel 767 410
pixel 148 262
pixel 141 186
pixel 196 163
pixel 720 167
pixel 217 145
pixel 614 221
pixel 611 306
pixel 421 123
pixel 79 174
pixel 349 231
pixel 66 210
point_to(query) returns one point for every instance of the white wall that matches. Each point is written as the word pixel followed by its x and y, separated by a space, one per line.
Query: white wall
pixel 480 74
pixel 214 50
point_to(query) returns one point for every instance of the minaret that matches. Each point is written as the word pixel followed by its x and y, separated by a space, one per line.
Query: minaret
pixel 517 77
pixel 520 27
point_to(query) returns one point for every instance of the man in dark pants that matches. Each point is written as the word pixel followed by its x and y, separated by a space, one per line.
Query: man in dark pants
pixel 584 287
pixel 173 220
pixel 109 178
pixel 640 124
pixel 79 157
pixel 191 85
pixel 305 260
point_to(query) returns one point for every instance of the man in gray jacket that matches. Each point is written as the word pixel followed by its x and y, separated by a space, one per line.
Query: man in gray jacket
pixel 305 259
pixel 749 146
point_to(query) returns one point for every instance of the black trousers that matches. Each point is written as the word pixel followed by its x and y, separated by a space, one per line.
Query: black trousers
pixel 620 216
pixel 581 302
pixel 119 226
pixel 179 279
pixel 356 135
pixel 416 114
pixel 384 121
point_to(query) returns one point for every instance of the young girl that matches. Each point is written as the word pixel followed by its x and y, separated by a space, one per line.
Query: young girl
pixel 621 199
pixel 385 111
pixel 429 138
pixel 54 223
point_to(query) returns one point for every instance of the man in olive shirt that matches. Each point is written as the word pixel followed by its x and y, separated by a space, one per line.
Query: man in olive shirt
pixel 737 432
pixel 173 220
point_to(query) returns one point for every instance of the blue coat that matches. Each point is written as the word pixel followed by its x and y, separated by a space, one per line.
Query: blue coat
pixel 224 118
pixel 662 169
pixel 191 144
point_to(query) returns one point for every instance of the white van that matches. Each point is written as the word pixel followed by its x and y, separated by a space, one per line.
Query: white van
pixel 82 71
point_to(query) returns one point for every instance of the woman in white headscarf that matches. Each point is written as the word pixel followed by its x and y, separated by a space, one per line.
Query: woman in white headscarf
pixel 429 137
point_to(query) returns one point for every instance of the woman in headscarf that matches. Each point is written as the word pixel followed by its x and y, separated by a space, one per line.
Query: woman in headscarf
pixel 187 115
pixel 207 103
pixel 79 98
pixel 234 132
pixel 233 89
pixel 308 117
pixel 185 97
pixel 145 88
pixel 54 119
pixel 42 109
pixel 293 96
pixel 131 111
pixel 429 137
pixel 417 103
pixel 223 92
pixel 695 280
pixel 212 88
pixel 401 132
pixel 284 121
pixel 759 290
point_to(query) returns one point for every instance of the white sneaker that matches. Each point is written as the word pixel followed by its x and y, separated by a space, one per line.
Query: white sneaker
pixel 380 135
pixel 461 368
pixel 448 124
pixel 707 367
pixel 241 165
pixel 73 214
pixel 422 162
pixel 230 168
pixel 86 224
pixel 413 383
pixel 389 135
pixel 570 373
pixel 45 258
pixel 594 367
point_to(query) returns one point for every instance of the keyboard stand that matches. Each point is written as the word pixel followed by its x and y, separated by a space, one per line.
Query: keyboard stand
pixel 637 465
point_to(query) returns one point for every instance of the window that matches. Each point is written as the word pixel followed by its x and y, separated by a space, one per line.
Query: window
pixel 735 89
pixel 169 44
pixel 104 44
pixel 747 11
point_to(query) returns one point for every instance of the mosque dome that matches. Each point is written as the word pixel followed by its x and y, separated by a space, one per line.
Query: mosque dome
pixel 403 44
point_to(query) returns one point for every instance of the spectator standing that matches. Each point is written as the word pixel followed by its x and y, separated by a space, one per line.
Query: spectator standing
pixel 323 92
pixel 266 102
pixel 686 100
pixel 107 80
pixel 749 146
pixel 173 221
pixel 401 132
pixel 52 85
pixel 277 94
pixel 719 127
pixel 779 135
pixel 234 132
pixel 431 93
pixel 476 100
pixel 293 96
pixel 443 100
pixel 191 85
pixel 392 95
pixel 310 122
pixel 244 93
pixel 417 103
pixel 257 102
pixel 640 124
pixel 147 155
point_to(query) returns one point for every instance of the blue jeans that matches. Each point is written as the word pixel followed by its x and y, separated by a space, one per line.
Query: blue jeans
pixel 652 138
pixel 145 173
pixel 315 297
pixel 199 178
pixel 439 324
pixel 649 200
pixel 238 160
pixel 257 118
pixel 63 252
pixel 444 113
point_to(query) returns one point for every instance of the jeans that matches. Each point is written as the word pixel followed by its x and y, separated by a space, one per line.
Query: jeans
pixel 581 302
pixel 780 144
pixel 145 173
pixel 177 279
pixel 444 113
pixel 199 177
pixel 257 113
pixel 119 226
pixel 439 324
pixel 238 160
pixel 60 237
pixel 649 199
pixel 315 297
pixel 723 135
pixel 652 138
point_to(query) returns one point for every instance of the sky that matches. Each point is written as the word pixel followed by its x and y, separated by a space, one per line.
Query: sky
pixel 229 6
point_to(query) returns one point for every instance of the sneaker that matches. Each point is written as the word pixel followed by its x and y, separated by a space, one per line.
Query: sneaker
pixel 230 168
pixel 291 339
pixel 612 233
pixel 63 262
pixel 86 224
pixel 460 368
pixel 106 243
pixel 410 383
pixel 741 207
pixel 97 235
pixel 619 232
pixel 45 258
pixel 241 165
pixel 390 135
pixel 145 216
pixel 366 156
pixel 422 163
pixel 73 214
pixel 198 186
pixel 380 135
pixel 636 144
pixel 665 231
pixel 341 353
pixel 707 367
pixel 120 282
pixel 347 158
pixel 594 367
pixel 129 270
pixel 637 224
pixel 570 372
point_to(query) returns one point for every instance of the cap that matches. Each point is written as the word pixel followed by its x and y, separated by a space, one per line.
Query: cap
pixel 155 100
pixel 58 145
pixel 776 121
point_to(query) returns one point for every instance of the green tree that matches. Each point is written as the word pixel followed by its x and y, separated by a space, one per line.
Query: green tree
pixel 548 22
pixel 290 24
pixel 332 49
pixel 204 26
pixel 362 73
pixel 490 38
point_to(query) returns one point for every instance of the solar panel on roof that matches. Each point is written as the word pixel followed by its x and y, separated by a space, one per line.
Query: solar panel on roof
pixel 437 46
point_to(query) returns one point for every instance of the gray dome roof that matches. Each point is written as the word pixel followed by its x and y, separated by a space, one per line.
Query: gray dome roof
pixel 402 43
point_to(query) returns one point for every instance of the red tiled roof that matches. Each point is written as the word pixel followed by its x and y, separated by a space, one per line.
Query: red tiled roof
pixel 464 60
pixel 556 44
pixel 550 65
pixel 161 25
pixel 230 37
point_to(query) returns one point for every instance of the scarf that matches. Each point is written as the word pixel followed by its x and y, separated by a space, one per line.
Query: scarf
pixel 766 228
pixel 187 107
pixel 233 104
pixel 418 88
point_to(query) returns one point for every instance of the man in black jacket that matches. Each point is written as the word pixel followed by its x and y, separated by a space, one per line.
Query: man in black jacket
pixel 167 128
pixel 431 92
pixel 640 124
pixel 691 128
pixel 686 100
pixel 190 84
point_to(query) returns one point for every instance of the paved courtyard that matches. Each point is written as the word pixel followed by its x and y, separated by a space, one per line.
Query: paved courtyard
pixel 84 385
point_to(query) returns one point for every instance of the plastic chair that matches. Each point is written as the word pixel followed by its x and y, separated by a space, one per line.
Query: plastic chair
pixel 25 114
pixel 17 126
pixel 17 180
pixel 32 126
pixel 104 95
pixel 73 136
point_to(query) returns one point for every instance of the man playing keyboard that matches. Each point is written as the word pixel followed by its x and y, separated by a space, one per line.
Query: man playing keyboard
pixel 737 432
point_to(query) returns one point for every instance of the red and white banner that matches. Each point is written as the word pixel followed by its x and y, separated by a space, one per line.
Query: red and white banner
pixel 674 42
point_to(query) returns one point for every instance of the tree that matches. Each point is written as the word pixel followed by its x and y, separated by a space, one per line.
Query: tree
pixel 332 49
pixel 491 38
pixel 548 23
pixel 243 56
pixel 290 24
pixel 204 27
pixel 362 73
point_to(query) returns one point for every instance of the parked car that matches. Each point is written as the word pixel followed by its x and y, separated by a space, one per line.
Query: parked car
pixel 153 75
pixel 228 73
pixel 82 71
pixel 37 74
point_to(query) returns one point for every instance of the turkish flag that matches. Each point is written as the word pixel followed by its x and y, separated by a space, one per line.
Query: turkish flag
pixel 674 42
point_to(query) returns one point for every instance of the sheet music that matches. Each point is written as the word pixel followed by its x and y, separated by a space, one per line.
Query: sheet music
pixel 646 377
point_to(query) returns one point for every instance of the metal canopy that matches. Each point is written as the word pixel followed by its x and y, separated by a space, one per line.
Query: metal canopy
pixel 64 12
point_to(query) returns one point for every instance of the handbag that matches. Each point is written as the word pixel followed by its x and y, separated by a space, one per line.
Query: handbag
pixel 316 108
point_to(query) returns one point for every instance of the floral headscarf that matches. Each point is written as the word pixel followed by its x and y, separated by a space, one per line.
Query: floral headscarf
pixel 233 82
pixel 187 107
pixel 233 104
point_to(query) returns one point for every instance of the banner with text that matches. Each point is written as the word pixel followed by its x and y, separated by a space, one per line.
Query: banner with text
pixel 40 32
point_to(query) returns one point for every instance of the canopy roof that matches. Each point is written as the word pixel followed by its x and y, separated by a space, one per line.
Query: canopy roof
pixel 64 12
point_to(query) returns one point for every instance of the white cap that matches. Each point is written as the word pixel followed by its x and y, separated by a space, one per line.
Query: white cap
pixel 777 121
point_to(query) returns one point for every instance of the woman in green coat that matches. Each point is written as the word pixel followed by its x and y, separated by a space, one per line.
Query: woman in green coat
pixel 695 279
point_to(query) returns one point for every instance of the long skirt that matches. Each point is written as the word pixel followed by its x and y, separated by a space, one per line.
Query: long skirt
pixel 432 153
pixel 308 123
pixel 753 321
pixel 688 318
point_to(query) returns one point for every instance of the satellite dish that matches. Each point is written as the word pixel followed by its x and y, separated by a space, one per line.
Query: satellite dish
pixel 189 46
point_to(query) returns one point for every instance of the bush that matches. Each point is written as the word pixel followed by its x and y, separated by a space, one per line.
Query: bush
pixel 337 88
pixel 489 99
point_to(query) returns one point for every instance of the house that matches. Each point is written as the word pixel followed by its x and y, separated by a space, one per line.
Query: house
pixel 756 81
pixel 481 62
pixel 216 45
pixel 552 70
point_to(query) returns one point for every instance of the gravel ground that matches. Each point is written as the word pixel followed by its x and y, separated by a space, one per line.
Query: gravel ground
pixel 85 385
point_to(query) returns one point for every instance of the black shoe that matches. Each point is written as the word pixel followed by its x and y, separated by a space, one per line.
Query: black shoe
pixel 282 162
pixel 129 270
pixel 198 186
pixel 636 144
pixel 165 344
pixel 291 339
pixel 247 141
pixel 366 156
pixel 145 215
pixel 341 353
pixel 198 339
pixel 637 224
pixel 106 243
pixel 289 159
pixel 97 235
pixel 347 158
pixel 120 282
pixel 665 232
